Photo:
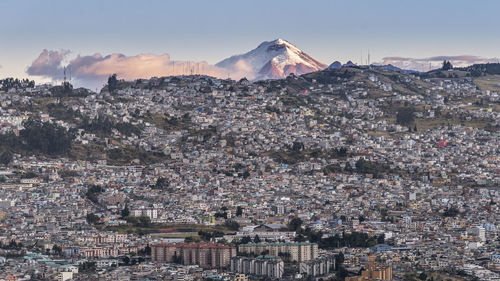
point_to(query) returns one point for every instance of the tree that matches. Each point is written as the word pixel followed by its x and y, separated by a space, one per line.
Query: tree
pixel 295 224
pixel 147 250
pixel 381 238
pixel 221 215
pixel 239 211
pixel 339 259
pixel 144 221
pixel 126 260
pixel 44 137
pixel 245 240
pixel 231 224
pixel 92 218
pixel 451 212
pixel 342 273
pixel 93 193
pixel 447 65
pixel 161 182
pixel 256 239
pixel 6 158
pixel 297 146
pixel 125 212
pixel 87 267
pixel 57 249
pixel 112 83
pixel 405 116
pixel 177 259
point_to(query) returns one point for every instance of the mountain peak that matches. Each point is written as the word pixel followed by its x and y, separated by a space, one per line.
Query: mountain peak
pixel 272 59
pixel 280 41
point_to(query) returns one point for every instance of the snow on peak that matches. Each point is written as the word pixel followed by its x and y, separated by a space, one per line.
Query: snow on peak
pixel 271 59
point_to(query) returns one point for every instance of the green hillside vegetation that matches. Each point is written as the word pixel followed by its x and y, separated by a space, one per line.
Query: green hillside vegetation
pixel 38 138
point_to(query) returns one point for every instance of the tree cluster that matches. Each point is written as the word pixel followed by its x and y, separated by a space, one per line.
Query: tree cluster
pixel 447 65
pixel 92 218
pixel 232 225
pixel 140 221
pixel 354 240
pixel 451 212
pixel 93 193
pixel 103 125
pixel 41 137
pixel 11 83
pixel 207 236
pixel 161 183
pixel 405 116
pixel 5 158
pixel 13 245
pixel 112 83
pixel 369 167
pixel 338 152
pixel 87 267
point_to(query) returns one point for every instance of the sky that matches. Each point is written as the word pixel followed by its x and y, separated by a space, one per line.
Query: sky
pixel 99 36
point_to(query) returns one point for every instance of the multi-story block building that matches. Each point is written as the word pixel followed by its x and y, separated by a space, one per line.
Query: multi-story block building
pixel 374 271
pixel 270 266
pixel 318 267
pixel 296 251
pixel 204 254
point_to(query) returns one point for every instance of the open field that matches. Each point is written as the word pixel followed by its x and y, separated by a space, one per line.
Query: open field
pixel 176 235
pixel 169 230
pixel 490 82
pixel 426 124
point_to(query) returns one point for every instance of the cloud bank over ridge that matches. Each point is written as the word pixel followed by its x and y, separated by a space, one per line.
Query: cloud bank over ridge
pixel 426 64
pixel 94 69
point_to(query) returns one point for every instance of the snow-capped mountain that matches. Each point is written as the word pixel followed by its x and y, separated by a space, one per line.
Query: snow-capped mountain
pixel 271 60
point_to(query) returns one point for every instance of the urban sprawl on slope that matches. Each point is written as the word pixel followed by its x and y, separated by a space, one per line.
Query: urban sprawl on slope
pixel 352 173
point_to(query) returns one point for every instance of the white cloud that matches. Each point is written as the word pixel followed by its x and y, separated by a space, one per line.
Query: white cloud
pixel 96 68
pixel 425 64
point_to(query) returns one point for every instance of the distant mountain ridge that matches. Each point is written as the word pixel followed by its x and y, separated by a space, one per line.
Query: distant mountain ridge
pixel 272 60
pixel 383 67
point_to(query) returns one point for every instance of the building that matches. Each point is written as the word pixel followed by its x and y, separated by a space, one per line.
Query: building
pixel 479 232
pixel 65 275
pixel 204 254
pixel 318 267
pixel 148 212
pixel 373 271
pixel 296 251
pixel 272 235
pixel 269 266
pixel 239 277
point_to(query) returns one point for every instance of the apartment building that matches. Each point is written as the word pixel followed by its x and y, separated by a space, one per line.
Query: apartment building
pixel 269 266
pixel 296 251
pixel 204 254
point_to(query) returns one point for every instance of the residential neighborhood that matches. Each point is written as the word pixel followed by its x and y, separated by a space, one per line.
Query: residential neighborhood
pixel 356 173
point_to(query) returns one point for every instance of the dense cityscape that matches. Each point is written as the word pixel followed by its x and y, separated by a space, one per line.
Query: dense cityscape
pixel 350 173
pixel 324 140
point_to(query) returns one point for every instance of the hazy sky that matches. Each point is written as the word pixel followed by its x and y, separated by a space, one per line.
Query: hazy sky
pixel 212 30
